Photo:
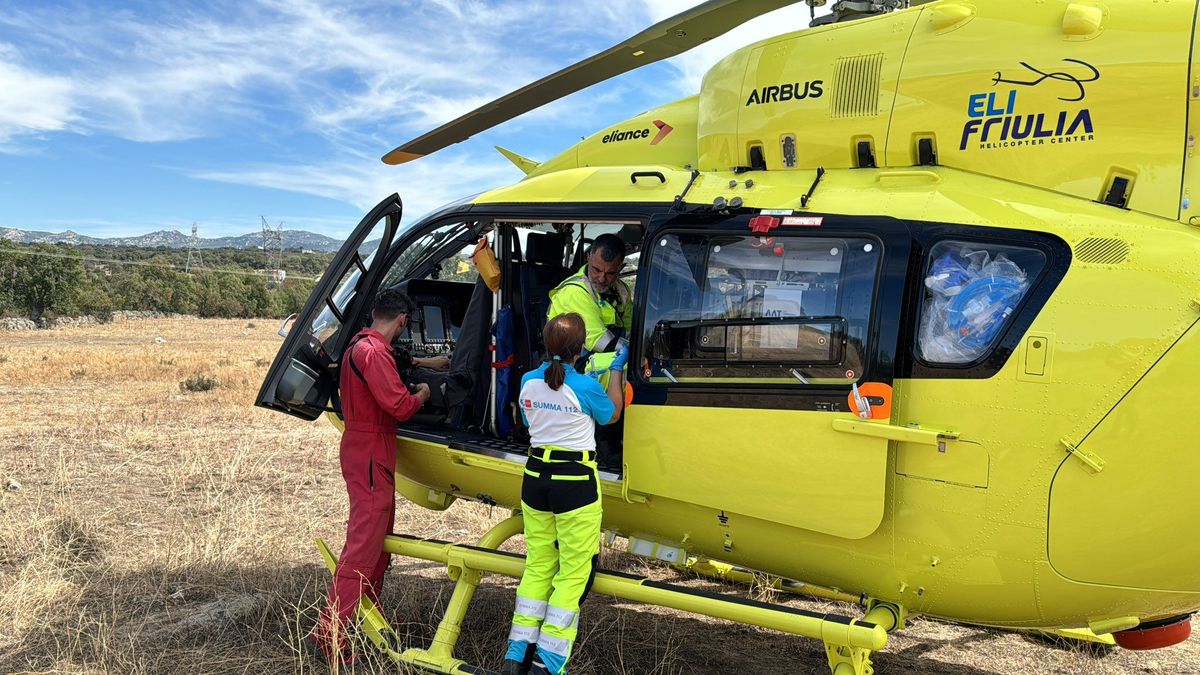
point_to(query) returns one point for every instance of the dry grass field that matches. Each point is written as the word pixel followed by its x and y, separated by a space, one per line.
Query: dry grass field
pixel 148 529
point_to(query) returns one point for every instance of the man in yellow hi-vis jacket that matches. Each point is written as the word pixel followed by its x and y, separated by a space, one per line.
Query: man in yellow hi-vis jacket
pixel 597 294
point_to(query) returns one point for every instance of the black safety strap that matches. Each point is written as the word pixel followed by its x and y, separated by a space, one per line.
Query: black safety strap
pixel 348 357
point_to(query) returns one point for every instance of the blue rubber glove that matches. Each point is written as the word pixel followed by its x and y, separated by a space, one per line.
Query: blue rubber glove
pixel 620 358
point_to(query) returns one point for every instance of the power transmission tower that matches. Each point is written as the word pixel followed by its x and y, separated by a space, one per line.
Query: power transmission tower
pixel 272 245
pixel 193 252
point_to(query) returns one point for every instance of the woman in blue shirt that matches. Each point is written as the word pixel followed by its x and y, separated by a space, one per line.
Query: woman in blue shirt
pixel 560 497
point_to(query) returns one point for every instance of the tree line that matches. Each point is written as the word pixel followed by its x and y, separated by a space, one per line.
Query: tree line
pixel 243 259
pixel 41 280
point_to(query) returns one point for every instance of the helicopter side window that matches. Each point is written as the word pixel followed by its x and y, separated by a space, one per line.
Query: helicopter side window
pixel 972 291
pixel 328 323
pixel 779 310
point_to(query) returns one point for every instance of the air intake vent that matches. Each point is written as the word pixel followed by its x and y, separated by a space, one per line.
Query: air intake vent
pixel 1102 251
pixel 856 86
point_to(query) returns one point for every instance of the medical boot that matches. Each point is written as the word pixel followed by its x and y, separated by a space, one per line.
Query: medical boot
pixel 511 667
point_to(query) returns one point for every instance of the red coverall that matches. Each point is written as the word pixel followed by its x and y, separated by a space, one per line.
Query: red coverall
pixel 371 406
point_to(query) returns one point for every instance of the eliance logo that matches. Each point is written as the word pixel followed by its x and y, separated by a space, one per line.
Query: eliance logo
pixel 616 135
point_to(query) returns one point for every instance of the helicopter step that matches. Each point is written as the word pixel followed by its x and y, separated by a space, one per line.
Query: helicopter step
pixel 848 642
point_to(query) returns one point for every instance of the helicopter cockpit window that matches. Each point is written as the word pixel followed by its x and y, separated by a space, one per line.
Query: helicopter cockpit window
pixel 972 291
pixel 781 310
pixel 433 247
pixel 458 267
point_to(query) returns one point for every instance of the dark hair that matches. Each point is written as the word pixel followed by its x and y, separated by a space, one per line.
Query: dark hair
pixel 610 247
pixel 563 337
pixel 393 302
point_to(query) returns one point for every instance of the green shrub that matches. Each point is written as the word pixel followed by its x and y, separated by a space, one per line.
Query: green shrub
pixel 199 382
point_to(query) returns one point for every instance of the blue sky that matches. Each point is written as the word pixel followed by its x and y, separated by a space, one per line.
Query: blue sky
pixel 123 118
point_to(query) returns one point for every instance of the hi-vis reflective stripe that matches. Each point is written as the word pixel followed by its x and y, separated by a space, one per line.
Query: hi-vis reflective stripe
pixel 585 283
pixel 531 608
pixel 562 618
pixel 554 645
pixel 605 341
pixel 524 633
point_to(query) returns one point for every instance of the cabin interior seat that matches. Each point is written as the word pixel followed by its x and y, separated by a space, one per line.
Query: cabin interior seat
pixel 540 272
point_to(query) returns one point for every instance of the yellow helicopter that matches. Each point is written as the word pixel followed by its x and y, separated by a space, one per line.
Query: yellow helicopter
pixel 916 292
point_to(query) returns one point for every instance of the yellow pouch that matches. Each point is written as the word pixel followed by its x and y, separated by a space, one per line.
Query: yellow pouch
pixel 485 263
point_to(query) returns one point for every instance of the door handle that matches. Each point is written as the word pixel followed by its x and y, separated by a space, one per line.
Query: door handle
pixel 891 432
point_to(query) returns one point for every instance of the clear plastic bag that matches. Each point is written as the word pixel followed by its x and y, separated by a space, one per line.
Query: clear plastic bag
pixel 971 295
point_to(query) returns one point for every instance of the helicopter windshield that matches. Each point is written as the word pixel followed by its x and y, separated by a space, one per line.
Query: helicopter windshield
pixel 425 249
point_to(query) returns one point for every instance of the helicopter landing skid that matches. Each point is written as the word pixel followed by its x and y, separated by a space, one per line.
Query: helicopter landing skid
pixel 848 642
pixel 843 660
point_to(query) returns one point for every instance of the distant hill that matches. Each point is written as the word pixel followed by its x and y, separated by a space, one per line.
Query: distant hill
pixel 292 239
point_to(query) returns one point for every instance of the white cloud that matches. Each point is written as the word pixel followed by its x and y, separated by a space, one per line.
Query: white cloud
pixel 360 75
pixel 32 102
pixel 332 67
pixel 457 56
pixel 423 186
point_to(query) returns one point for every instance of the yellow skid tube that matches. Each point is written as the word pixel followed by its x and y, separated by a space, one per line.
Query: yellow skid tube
pixel 377 629
pixel 831 628
pixel 848 642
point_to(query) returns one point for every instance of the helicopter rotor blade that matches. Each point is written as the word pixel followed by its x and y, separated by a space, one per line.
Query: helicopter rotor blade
pixel 663 40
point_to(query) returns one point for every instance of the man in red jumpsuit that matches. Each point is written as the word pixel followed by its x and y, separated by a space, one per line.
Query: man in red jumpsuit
pixel 374 399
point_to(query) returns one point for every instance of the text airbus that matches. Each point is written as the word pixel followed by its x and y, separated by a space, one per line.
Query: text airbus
pixel 791 91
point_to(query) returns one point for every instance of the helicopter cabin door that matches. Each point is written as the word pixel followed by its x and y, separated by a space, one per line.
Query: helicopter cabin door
pixel 303 377
pixel 751 338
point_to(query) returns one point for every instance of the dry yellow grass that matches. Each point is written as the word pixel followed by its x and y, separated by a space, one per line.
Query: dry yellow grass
pixel 158 530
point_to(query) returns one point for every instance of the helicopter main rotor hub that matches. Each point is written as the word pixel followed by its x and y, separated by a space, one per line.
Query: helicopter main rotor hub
pixel 849 10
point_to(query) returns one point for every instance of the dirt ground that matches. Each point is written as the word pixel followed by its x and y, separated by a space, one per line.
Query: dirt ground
pixel 149 529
